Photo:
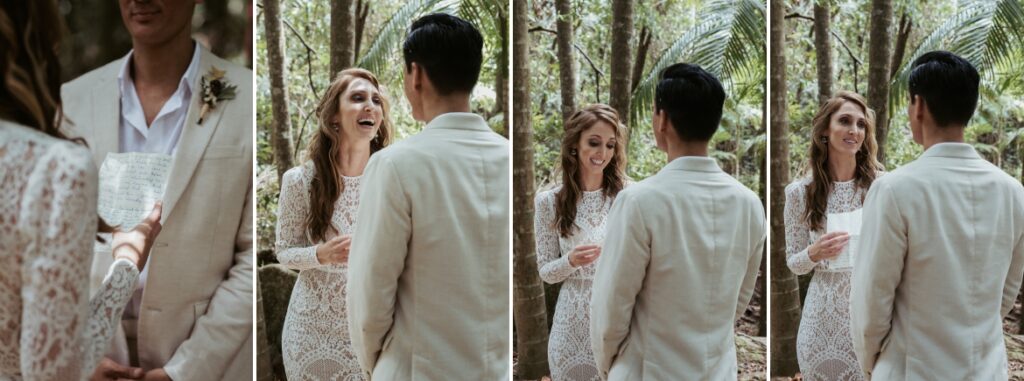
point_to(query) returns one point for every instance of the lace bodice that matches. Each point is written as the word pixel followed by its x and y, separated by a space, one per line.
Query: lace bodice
pixel 824 344
pixel 569 353
pixel 315 341
pixel 49 328
pixel 553 250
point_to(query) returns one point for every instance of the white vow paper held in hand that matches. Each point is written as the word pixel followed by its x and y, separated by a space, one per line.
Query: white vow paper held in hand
pixel 130 185
pixel 844 222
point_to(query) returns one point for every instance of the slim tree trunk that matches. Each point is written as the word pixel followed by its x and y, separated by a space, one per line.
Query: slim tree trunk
pixel 762 282
pixel 823 49
pixel 879 59
pixel 280 138
pixel 785 292
pixel 621 64
pixel 906 24
pixel 566 58
pixel 342 36
pixel 643 45
pixel 528 293
pixel 362 12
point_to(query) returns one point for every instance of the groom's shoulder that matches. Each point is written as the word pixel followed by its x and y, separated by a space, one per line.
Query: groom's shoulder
pixel 86 81
pixel 236 74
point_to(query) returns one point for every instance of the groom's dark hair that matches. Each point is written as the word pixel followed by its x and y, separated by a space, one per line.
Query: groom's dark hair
pixel 948 84
pixel 693 100
pixel 448 49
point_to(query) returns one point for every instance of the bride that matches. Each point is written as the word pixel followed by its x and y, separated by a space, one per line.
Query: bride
pixel 49 328
pixel 315 220
pixel 842 166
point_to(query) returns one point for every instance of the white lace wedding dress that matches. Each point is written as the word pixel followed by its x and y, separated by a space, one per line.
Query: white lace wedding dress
pixel 824 345
pixel 315 341
pixel 569 352
pixel 49 328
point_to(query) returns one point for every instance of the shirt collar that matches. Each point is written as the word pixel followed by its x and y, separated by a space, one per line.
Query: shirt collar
pixel 459 121
pixel 957 150
pixel 188 80
pixel 692 163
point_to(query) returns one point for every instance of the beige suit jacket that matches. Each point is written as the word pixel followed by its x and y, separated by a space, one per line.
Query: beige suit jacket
pixel 940 263
pixel 196 315
pixel 428 278
pixel 678 267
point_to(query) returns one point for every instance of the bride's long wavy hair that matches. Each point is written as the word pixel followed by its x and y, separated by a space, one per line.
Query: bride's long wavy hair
pixel 614 175
pixel 325 147
pixel 30 34
pixel 816 196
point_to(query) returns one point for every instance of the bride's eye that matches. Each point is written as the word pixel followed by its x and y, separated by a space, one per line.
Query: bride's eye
pixel 844 121
pixel 594 143
pixel 357 98
pixel 861 124
pixel 377 100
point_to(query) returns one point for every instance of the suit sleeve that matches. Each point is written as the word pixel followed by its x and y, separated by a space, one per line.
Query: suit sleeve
pixel 218 335
pixel 379 248
pixel 1016 272
pixel 620 274
pixel 876 274
pixel 753 265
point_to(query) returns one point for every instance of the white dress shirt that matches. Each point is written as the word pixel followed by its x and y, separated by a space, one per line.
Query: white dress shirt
pixel 161 136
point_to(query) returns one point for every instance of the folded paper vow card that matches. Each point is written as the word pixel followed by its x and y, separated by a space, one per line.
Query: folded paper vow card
pixel 130 185
pixel 844 222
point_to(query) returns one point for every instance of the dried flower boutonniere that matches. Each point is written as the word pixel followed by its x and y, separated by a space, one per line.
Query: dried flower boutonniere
pixel 214 89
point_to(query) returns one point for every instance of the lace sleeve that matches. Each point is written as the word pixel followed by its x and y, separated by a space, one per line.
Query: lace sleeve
pixel 293 247
pixel 798 236
pixel 59 206
pixel 552 265
pixel 105 310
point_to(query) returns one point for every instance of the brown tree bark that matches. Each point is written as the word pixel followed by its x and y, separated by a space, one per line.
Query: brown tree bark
pixel 362 12
pixel 785 292
pixel 906 24
pixel 501 76
pixel 342 36
pixel 529 310
pixel 264 372
pixel 643 45
pixel 566 58
pixel 762 281
pixel 879 59
pixel 280 138
pixel 823 49
pixel 621 65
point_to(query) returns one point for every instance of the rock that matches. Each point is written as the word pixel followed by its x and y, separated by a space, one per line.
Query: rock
pixel 751 354
pixel 276 283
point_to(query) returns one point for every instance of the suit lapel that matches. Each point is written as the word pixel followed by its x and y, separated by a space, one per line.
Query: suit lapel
pixel 105 120
pixel 194 139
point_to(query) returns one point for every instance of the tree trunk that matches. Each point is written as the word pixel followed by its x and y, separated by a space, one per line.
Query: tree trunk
pixel 643 45
pixel 501 76
pixel 342 36
pixel 280 138
pixel 566 58
pixel 528 293
pixel 621 65
pixel 264 372
pixel 906 24
pixel 362 12
pixel 762 282
pixel 823 49
pixel 879 56
pixel 785 292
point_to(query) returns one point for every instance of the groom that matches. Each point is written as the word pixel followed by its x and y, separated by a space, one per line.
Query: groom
pixel 682 252
pixel 942 245
pixel 191 315
pixel 428 291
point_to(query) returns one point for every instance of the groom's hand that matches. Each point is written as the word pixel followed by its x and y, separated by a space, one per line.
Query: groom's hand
pixel 157 375
pixel 110 370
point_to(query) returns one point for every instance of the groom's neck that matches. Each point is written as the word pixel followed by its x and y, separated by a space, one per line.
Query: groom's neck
pixel 932 135
pixel 438 105
pixel 161 64
pixel 679 148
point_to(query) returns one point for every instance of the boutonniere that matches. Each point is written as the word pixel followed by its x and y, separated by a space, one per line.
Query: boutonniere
pixel 214 89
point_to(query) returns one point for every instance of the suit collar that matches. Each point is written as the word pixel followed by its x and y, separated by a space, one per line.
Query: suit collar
pixel 954 150
pixel 459 121
pixel 693 164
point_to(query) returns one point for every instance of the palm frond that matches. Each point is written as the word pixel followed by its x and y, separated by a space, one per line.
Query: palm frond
pixel 728 42
pixel 388 41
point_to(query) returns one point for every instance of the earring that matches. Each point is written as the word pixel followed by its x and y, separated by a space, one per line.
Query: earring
pixel 572 151
pixel 824 139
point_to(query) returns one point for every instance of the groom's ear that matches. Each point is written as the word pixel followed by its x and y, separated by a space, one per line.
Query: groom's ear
pixel 416 73
pixel 916 107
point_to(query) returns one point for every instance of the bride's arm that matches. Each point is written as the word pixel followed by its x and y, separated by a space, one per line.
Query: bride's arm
pixel 59 206
pixel 552 266
pixel 105 309
pixel 798 236
pixel 292 247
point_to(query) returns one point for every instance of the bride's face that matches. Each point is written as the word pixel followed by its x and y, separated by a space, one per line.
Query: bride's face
pixel 596 147
pixel 157 21
pixel 360 111
pixel 846 130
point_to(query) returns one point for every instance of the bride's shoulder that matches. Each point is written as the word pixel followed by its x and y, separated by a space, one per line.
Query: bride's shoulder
pixel 300 175
pixel 43 151
pixel 797 187
pixel 547 193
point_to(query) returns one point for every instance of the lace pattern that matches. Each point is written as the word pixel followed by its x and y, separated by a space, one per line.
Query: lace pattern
pixel 49 328
pixel 824 342
pixel 569 352
pixel 315 341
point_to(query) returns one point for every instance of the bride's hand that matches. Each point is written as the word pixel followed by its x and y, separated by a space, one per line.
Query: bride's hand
pixel 828 246
pixel 335 250
pixel 134 245
pixel 584 255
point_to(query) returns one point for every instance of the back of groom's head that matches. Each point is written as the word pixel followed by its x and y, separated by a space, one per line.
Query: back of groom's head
pixel 692 98
pixel 948 84
pixel 448 49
